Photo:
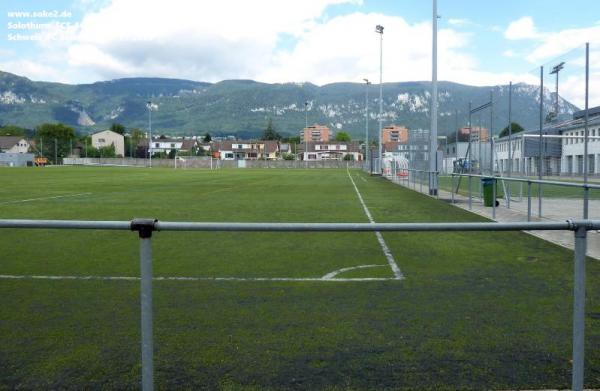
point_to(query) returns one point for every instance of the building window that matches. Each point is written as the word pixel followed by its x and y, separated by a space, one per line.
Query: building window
pixel 101 140
pixel 172 145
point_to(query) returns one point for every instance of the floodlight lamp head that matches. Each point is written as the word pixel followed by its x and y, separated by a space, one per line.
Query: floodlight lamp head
pixel 557 68
pixel 379 29
pixel 367 81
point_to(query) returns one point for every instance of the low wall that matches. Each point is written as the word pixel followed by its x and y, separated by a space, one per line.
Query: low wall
pixel 207 163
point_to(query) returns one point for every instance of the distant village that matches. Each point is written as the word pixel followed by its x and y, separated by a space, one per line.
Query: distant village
pixel 563 146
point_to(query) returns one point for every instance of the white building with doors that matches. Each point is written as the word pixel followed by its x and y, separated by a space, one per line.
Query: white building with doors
pixel 333 150
pixel 573 144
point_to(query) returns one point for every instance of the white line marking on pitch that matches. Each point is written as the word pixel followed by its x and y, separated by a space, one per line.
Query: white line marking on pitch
pixel 44 198
pixel 329 276
pixel 384 247
pixel 127 278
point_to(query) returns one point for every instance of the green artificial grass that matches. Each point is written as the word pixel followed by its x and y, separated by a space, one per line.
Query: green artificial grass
pixel 479 310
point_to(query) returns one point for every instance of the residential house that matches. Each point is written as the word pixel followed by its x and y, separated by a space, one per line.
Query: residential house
pixel 167 144
pixel 333 150
pixel 106 138
pixel 14 144
pixel 246 150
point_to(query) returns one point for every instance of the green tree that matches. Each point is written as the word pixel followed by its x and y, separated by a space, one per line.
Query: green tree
pixel 172 153
pixel 54 140
pixel 342 136
pixel 348 157
pixel 117 128
pixel 516 128
pixel 270 133
pixel 207 138
pixel 12 130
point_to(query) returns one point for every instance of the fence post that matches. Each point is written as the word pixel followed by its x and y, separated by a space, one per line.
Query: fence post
pixel 579 307
pixel 528 200
pixel 452 188
pixel 145 227
pixel 470 197
pixel 586 197
pixel 493 196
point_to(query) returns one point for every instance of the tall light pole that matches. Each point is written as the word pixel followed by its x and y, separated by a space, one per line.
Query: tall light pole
pixel 304 132
pixel 367 82
pixel 149 104
pixel 433 186
pixel 555 70
pixel 379 30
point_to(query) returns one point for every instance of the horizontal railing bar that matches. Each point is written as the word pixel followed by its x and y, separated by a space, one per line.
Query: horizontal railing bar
pixel 366 227
pixel 66 224
pixel 543 182
pixel 303 227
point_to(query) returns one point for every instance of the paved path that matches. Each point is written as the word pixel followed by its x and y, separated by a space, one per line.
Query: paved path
pixel 553 209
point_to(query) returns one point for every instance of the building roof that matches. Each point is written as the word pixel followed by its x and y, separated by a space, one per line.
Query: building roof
pixel 7 142
pixel 592 112
pixel 107 130
pixel 188 143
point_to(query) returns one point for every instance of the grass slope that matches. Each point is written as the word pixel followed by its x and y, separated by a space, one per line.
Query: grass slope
pixel 477 310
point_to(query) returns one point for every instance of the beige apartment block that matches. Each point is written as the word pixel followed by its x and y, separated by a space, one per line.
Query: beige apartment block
pixel 107 137
pixel 315 133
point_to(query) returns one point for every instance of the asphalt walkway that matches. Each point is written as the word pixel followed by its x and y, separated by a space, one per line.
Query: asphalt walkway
pixel 553 209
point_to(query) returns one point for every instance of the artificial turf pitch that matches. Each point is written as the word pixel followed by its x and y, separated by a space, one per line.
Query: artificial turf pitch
pixel 475 311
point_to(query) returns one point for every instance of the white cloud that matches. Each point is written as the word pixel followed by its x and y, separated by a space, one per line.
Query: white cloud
pixel 522 28
pixel 509 53
pixel 559 42
pixel 459 22
pixel 241 39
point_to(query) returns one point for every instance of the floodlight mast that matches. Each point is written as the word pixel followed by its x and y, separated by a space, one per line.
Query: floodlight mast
pixel 433 185
pixel 379 30
pixel 149 104
pixel 555 70
pixel 367 82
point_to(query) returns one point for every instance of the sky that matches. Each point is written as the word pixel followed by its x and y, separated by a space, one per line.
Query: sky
pixel 319 41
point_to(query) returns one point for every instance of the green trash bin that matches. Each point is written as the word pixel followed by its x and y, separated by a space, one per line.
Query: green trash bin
pixel 488 191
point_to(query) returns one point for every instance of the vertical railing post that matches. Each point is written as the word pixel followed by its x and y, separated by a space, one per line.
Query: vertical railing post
pixel 579 307
pixel 586 197
pixel 540 195
pixel 493 197
pixel 470 196
pixel 528 200
pixel 145 227
pixel 452 188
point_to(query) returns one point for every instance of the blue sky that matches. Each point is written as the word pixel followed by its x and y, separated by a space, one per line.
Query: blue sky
pixel 321 41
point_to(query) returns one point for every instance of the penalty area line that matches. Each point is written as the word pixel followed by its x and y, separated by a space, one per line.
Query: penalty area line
pixel 173 278
pixel 44 198
pixel 384 247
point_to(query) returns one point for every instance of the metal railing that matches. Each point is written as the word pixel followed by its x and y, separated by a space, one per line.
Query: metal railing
pixel 146 227
pixel 585 187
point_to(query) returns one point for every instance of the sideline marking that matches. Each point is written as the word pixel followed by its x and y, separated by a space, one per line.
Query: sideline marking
pixel 384 246
pixel 329 276
pixel 44 198
pixel 128 278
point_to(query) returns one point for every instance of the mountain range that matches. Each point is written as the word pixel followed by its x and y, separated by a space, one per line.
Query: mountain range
pixel 243 107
